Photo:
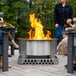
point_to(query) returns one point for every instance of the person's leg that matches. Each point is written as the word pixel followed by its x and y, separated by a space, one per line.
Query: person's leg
pixel 59 32
pixel 74 63
pixel 64 45
pixel 9 66
pixel 12 41
pixel 14 44
pixel 0 61
pixel 75 60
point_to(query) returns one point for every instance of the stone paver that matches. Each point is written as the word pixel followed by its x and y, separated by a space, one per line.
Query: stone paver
pixel 37 70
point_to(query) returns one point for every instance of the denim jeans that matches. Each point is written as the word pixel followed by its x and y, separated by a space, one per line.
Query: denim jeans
pixel 1 38
pixel 59 32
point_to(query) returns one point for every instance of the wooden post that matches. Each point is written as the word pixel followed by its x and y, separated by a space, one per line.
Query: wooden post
pixel 5 53
pixel 70 52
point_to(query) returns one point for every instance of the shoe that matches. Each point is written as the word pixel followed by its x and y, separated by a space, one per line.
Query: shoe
pixel 9 55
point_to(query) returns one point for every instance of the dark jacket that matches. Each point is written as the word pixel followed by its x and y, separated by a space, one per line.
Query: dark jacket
pixel 61 14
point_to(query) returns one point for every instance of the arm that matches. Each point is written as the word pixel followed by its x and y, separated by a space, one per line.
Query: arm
pixel 70 17
pixel 55 15
pixel 70 25
pixel 1 20
pixel 58 49
pixel 71 13
pixel 69 22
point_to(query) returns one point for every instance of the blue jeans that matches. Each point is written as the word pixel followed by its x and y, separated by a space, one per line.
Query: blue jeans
pixel 1 38
pixel 59 32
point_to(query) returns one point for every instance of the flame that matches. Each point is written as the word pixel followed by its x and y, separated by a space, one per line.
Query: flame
pixel 38 32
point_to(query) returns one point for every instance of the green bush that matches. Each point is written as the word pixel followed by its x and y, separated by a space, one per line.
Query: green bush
pixel 16 12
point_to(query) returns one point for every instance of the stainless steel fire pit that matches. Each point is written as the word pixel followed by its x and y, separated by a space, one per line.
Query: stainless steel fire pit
pixel 37 51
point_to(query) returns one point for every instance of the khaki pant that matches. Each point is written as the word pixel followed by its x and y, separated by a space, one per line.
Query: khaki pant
pixel 75 59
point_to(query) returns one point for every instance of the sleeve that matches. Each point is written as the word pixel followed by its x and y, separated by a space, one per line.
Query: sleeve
pixel 58 47
pixel 55 15
pixel 71 13
pixel 1 19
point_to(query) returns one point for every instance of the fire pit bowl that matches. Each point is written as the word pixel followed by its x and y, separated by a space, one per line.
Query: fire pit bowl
pixel 37 51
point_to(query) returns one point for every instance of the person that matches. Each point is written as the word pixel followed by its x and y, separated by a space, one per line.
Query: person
pixel 2 24
pixel 62 12
pixel 73 26
pixel 63 47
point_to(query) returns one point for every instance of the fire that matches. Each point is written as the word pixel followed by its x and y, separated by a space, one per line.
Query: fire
pixel 38 32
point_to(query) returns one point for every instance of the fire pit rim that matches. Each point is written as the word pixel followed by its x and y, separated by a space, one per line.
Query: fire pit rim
pixel 37 39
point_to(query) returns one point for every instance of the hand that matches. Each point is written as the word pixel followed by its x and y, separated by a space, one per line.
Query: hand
pixel 74 19
pixel 69 21
pixel 56 25
pixel 1 22
pixel 74 27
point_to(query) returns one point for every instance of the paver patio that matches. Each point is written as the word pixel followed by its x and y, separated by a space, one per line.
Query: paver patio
pixel 36 70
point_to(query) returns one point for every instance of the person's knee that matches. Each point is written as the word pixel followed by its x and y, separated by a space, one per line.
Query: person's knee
pixel 75 58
